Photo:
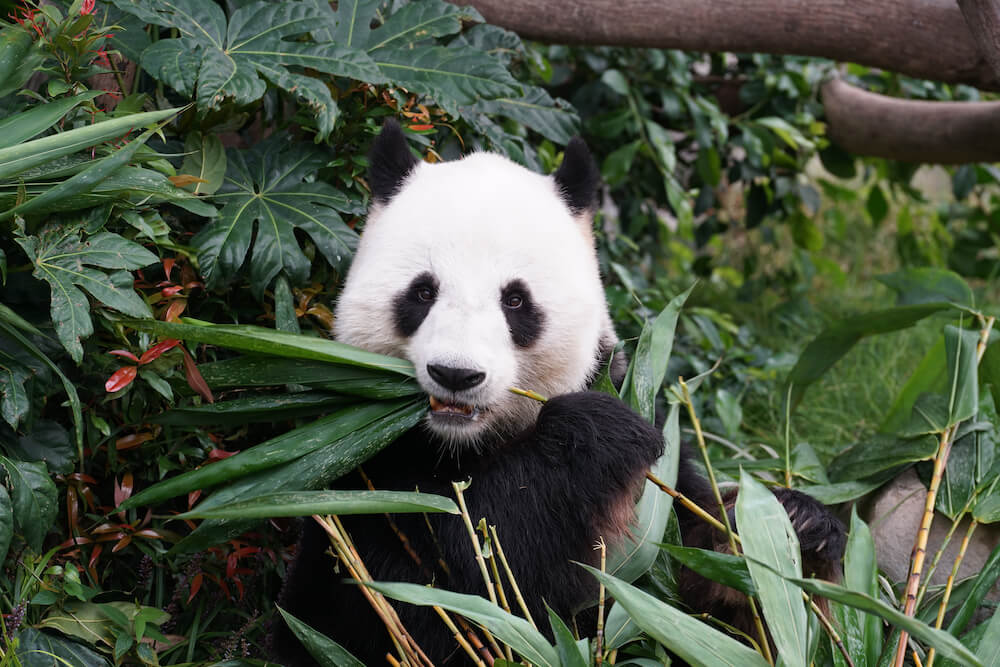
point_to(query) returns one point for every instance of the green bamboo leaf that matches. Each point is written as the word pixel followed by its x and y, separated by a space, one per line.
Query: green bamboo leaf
pixel 619 628
pixel 83 182
pixel 509 629
pixel 566 646
pixel 25 125
pixel 253 409
pixel 989 645
pixel 635 554
pixel 417 22
pixel 861 632
pixel 452 76
pixel 693 641
pixel 64 260
pixel 24 156
pixel 257 371
pixel 724 568
pixel 838 339
pixel 312 471
pixel 307 503
pixel 267 196
pixel 324 650
pixel 929 375
pixel 34 499
pixel 880 453
pixel 267 455
pixel 652 353
pixel 258 340
pixel 963 374
pixel 767 536
pixel 946 644
pixel 982 585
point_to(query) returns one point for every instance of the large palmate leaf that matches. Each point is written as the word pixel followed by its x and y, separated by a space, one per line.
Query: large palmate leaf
pixel 215 59
pixel 66 261
pixel 267 196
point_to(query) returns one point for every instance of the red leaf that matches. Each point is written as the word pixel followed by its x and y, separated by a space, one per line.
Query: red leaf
pixel 133 440
pixel 120 379
pixel 194 378
pixel 122 543
pixel 174 310
pixel 95 554
pixel 218 454
pixel 72 509
pixel 168 265
pixel 75 542
pixel 170 291
pixel 193 497
pixel 124 353
pixel 149 534
pixel 124 490
pixel 154 352
pixel 421 128
pixel 195 585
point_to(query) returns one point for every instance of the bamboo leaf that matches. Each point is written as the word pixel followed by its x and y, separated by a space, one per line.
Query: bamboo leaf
pixel 767 536
pixel 723 568
pixel 693 641
pixel 326 652
pixel 509 629
pixel 254 409
pixel 307 503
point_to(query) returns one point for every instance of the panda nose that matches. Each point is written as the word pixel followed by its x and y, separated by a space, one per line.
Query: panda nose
pixel 455 379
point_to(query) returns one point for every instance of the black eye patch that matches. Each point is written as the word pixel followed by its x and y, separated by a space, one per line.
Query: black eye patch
pixel 411 306
pixel 524 318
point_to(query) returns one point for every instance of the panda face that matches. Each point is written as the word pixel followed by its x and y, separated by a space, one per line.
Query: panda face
pixel 480 273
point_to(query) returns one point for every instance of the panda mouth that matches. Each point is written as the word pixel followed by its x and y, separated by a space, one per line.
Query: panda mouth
pixel 444 408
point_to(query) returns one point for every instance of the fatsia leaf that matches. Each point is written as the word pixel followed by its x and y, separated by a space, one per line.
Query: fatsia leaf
pixel 215 60
pixel 66 262
pixel 419 21
pixel 267 195
pixel 205 160
pixel 43 649
pixel 553 119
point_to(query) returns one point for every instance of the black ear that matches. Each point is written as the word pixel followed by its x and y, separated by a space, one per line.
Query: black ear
pixel 577 177
pixel 389 162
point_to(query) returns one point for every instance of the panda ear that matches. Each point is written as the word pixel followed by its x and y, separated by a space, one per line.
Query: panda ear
pixel 389 162
pixel 578 177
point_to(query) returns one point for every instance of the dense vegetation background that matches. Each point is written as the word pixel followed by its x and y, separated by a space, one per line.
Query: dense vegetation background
pixel 166 159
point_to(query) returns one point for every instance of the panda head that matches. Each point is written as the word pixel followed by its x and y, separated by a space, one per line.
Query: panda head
pixel 484 275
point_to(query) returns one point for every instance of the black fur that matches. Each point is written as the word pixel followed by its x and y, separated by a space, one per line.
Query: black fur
pixel 546 491
pixel 410 307
pixel 578 177
pixel 390 162
pixel 526 320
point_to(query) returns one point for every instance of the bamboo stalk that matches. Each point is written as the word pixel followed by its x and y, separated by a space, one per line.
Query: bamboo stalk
pixel 696 423
pixel 599 640
pixel 457 634
pixel 830 630
pixel 497 581
pixel 951 582
pixel 510 577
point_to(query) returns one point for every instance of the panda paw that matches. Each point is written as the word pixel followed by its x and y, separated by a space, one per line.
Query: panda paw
pixel 822 536
pixel 599 426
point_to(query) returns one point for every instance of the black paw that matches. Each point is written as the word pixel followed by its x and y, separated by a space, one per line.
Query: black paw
pixel 822 536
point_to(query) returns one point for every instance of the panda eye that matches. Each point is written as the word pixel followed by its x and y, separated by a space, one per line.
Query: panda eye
pixel 513 301
pixel 424 293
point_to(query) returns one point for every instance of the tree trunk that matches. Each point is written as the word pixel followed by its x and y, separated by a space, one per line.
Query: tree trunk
pixel 927 39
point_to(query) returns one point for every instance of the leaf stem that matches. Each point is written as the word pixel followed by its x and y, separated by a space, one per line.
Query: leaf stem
pixel 527 393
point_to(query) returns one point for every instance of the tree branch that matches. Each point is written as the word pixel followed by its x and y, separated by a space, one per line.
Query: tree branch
pixel 927 39
pixel 865 123
pixel 983 20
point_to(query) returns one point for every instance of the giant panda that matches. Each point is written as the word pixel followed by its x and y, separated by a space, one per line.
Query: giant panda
pixel 485 276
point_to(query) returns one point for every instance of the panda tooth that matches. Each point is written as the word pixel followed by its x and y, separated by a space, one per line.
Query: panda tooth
pixel 436 404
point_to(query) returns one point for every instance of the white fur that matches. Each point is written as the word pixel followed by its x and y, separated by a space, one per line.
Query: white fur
pixel 476 224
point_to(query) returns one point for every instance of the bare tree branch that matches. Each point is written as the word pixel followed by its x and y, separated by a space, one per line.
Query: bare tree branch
pixel 865 123
pixel 983 19
pixel 928 39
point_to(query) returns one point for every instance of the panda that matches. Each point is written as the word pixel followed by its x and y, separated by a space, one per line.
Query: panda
pixel 484 275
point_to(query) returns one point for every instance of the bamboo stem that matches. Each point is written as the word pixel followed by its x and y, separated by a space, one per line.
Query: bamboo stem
pixel 457 634
pixel 510 577
pixel 943 607
pixel 599 640
pixel 828 627
pixel 497 581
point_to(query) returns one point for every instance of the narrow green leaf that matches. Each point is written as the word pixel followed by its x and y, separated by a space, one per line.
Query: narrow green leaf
pixel 914 286
pixel 652 353
pixel 723 568
pixel 259 340
pixel 989 371
pixel 253 409
pixel 307 503
pixel 284 307
pixel 324 650
pixel 879 453
pixel 25 125
pixel 963 374
pixel 313 471
pixel 569 652
pixel 929 375
pixel 946 644
pixel 837 340
pixel 983 584
pixel 509 629
pixel 694 642
pixel 989 645
pixel 767 536
pixel 861 632
pixel 19 158
pixel 282 449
